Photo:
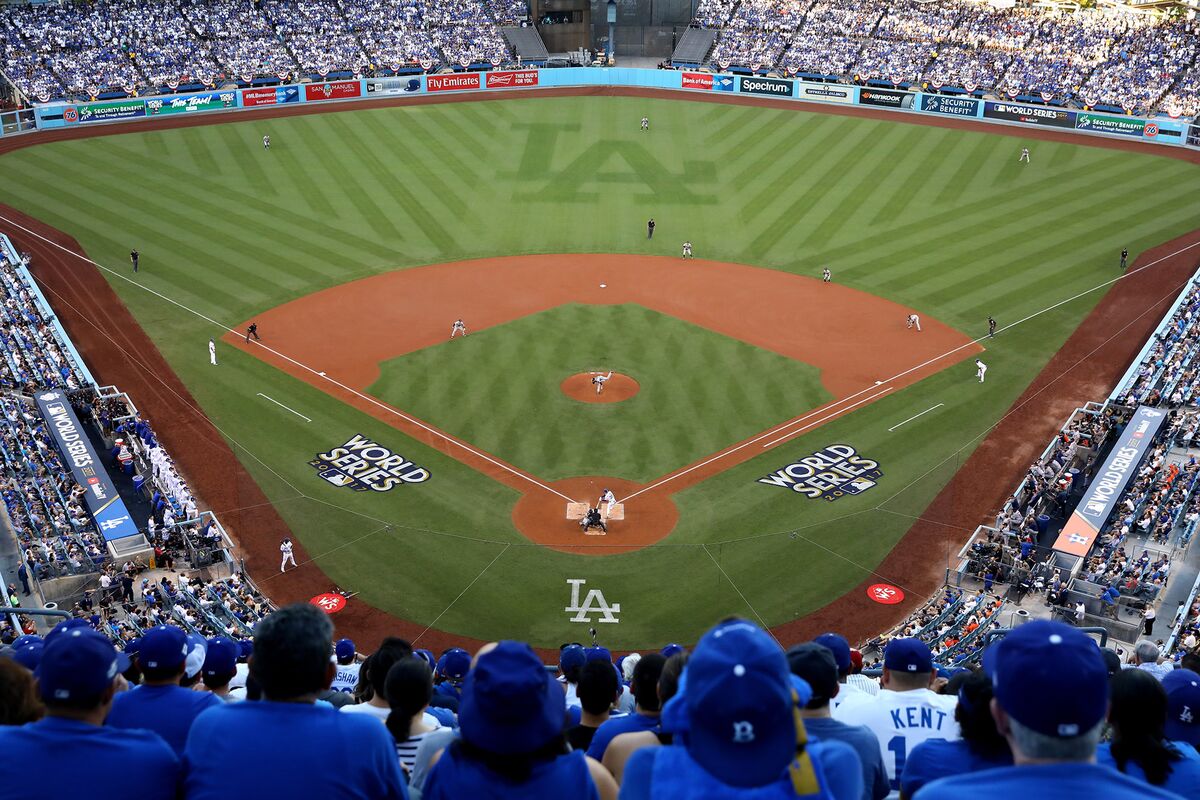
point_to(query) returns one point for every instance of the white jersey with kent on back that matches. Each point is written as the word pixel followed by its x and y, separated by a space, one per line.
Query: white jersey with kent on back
pixel 901 721
pixel 346 677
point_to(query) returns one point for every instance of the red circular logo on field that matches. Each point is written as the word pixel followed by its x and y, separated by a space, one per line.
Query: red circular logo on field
pixel 885 593
pixel 1151 130
pixel 329 602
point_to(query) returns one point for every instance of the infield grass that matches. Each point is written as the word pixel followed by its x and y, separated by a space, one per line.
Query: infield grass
pixel 945 221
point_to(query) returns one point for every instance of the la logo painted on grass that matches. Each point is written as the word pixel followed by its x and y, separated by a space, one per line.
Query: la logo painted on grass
pixel 593 603
pixel 364 465
pixel 835 471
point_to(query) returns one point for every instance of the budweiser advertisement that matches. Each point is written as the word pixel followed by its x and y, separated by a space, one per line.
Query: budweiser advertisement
pixel 512 80
pixel 453 83
pixel 334 90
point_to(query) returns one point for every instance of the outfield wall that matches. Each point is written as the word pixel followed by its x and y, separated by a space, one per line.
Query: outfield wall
pixel 1158 131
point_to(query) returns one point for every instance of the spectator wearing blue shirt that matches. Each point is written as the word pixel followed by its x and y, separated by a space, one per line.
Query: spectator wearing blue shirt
pixel 1139 747
pixel 68 753
pixel 513 743
pixel 981 746
pixel 646 713
pixel 160 704
pixel 736 715
pixel 1051 697
pixel 1183 699
pixel 818 666
pixel 450 671
pixel 286 745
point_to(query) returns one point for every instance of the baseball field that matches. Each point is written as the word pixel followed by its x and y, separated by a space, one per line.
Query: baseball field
pixel 435 477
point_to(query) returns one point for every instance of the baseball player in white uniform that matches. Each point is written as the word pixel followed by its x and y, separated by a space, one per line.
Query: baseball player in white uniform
pixel 285 547
pixel 212 352
pixel 687 249
pixel 599 380
pixel 980 369
pixel 645 123
pixel 914 322
pixel 609 498
pixel 266 143
pixel 458 327
pixel 826 275
pixel 905 712
pixel 1024 155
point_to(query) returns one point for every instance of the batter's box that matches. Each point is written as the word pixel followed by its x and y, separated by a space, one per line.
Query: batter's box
pixel 577 510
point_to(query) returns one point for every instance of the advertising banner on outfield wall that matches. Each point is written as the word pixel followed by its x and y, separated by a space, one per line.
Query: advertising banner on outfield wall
pixel 270 96
pixel 1030 115
pixel 826 92
pixel 771 87
pixel 708 81
pixel 1166 131
pixel 104 112
pixel 953 106
pixel 333 90
pixel 886 98
pixel 1110 481
pixel 389 86
pixel 458 82
pixel 1099 123
pixel 512 79
pixel 187 104
pixel 100 494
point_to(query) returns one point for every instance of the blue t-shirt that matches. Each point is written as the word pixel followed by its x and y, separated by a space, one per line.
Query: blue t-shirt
pixel 666 773
pixel 169 711
pixel 298 751
pixel 614 727
pixel 1184 779
pixel 456 778
pixel 1070 781
pixel 55 758
pixel 866 746
pixel 938 758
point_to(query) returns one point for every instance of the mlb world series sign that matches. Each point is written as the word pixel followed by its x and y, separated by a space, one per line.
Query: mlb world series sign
pixel 828 474
pixel 366 466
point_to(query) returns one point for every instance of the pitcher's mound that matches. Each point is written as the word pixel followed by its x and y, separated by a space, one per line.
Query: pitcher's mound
pixel 617 388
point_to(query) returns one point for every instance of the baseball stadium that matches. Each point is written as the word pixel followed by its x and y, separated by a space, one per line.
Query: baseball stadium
pixel 431 359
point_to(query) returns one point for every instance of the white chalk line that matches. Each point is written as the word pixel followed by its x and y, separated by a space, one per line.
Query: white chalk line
pixel 371 400
pixel 753 611
pixel 837 413
pixel 281 405
pixel 914 416
pixel 429 627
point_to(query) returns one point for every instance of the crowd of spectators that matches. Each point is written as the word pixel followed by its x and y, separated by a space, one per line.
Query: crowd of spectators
pixel 85 49
pixel 1169 372
pixel 171 714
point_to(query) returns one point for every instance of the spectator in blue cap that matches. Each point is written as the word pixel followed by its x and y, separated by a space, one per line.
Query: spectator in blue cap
pixel 1051 697
pixel 736 714
pixel 286 745
pixel 68 754
pixel 906 711
pixel 815 663
pixel 160 704
pixel 646 712
pixel 451 669
pixel 1183 707
pixel 981 747
pixel 571 658
pixel 513 741
pixel 1139 748
pixel 671 650
pixel 19 701
pixel 220 665
pixel 346 677
pixel 848 694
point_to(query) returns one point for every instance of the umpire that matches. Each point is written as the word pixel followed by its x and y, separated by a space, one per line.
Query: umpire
pixel 133 256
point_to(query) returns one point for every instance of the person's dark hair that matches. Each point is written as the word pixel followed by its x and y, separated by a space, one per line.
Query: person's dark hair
pixel 19 701
pixel 514 768
pixel 645 681
pixel 1190 661
pixel 668 681
pixel 1138 715
pixel 391 650
pixel 291 652
pixel 974 716
pixel 598 686
pixel 362 690
pixel 409 686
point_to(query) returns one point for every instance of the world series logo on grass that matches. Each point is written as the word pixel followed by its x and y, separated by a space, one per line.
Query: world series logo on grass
pixel 836 471
pixel 363 465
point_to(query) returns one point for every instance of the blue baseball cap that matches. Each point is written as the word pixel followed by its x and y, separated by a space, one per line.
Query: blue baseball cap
pixel 836 644
pixel 245 648
pixel 510 703
pixel 28 638
pixel 597 654
pixel 66 625
pixel 427 657
pixel 573 655
pixel 454 663
pixel 163 647
pixel 29 655
pixel 344 649
pixel 220 658
pixel 735 704
pixel 1183 706
pixel 1049 677
pixel 672 649
pixel 78 666
pixel 907 655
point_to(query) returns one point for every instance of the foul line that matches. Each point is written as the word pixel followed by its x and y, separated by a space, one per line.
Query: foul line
pixel 910 419
pixel 412 420
pixel 281 405
pixel 429 627
pixel 840 411
pixel 758 616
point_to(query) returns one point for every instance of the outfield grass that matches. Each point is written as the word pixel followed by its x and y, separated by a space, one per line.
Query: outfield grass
pixel 945 221
pixel 499 389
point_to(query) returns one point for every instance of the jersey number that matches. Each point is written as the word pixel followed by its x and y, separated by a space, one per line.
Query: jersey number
pixel 898 747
